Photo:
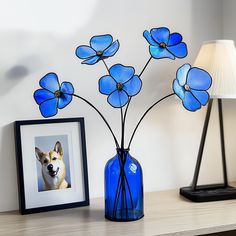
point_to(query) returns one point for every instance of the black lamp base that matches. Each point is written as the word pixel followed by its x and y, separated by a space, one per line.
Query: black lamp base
pixel 212 192
pixel 207 193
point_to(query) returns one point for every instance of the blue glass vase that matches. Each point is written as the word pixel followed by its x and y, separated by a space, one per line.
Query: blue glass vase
pixel 123 188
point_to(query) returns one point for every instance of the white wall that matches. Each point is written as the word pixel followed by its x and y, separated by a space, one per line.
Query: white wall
pixel 229 30
pixel 41 36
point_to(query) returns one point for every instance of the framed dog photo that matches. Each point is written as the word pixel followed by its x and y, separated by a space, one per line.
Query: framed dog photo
pixel 52 164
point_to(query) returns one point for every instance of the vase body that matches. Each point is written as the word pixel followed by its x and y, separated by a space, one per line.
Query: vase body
pixel 123 188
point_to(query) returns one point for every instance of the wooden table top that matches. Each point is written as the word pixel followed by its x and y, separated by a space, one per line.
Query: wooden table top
pixel 166 213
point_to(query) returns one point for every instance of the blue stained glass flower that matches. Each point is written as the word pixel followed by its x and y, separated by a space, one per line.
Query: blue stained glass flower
pixel 52 95
pixel 190 86
pixel 101 47
pixel 163 44
pixel 120 84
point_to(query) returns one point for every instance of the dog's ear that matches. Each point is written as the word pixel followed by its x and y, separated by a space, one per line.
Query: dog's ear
pixel 58 148
pixel 38 153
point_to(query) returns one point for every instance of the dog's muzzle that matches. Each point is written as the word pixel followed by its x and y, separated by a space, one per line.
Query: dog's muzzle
pixel 51 172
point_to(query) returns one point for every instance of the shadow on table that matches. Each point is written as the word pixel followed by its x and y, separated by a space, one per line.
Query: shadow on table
pixel 227 233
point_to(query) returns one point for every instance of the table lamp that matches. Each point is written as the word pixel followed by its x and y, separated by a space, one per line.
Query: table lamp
pixel 218 57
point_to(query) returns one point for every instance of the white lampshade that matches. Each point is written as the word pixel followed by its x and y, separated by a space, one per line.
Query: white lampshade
pixel 218 58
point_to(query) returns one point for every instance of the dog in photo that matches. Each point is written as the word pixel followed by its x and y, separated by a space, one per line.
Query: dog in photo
pixel 53 167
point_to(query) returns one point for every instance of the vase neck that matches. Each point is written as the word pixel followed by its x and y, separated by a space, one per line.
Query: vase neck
pixel 122 151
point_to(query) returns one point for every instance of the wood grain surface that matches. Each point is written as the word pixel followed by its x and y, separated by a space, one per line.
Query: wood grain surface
pixel 166 213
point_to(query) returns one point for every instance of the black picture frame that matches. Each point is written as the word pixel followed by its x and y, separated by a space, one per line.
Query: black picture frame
pixel 20 168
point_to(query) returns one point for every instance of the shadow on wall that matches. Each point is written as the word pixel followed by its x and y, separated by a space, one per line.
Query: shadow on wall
pixel 17 72
pixel 12 77
pixel 8 183
pixel 26 53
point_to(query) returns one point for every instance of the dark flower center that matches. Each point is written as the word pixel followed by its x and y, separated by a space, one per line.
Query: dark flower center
pixel 57 93
pixel 186 87
pixel 119 86
pixel 162 45
pixel 99 53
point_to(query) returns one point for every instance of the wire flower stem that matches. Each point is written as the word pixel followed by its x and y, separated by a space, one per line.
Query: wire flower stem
pixel 145 113
pixel 101 115
pixel 105 65
pixel 145 66
pixel 121 193
pixel 119 185
pixel 116 196
pixel 127 107
pixel 122 180
pixel 122 129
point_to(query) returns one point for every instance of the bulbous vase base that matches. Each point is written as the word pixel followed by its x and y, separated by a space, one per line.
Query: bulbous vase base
pixel 123 188
pixel 135 216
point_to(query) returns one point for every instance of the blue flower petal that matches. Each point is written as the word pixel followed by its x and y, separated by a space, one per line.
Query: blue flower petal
pixel 101 42
pixel 174 39
pixel 199 79
pixel 202 96
pixel 161 35
pixel 158 52
pixel 67 87
pixel 121 73
pixel 41 95
pixel 64 100
pixel 92 60
pixel 179 50
pixel 181 74
pixel 118 98
pixel 50 82
pixel 107 85
pixel 84 52
pixel 133 86
pixel 49 108
pixel 111 50
pixel 149 38
pixel 190 102
pixel 179 90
